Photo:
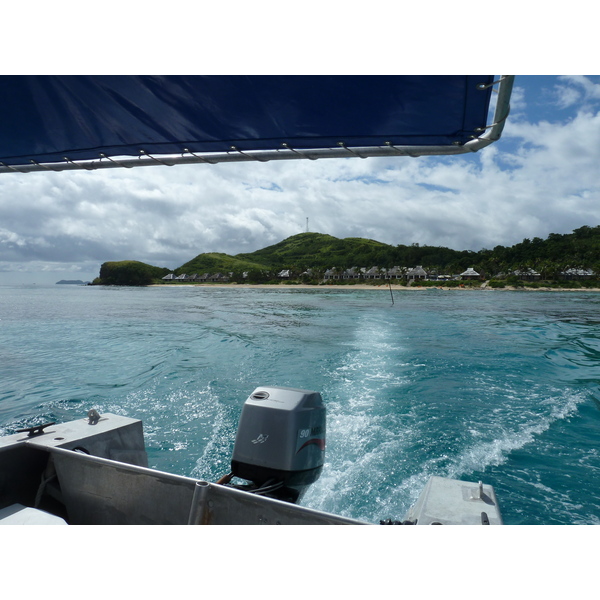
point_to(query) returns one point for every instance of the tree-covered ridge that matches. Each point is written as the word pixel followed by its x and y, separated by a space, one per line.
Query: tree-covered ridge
pixel 579 249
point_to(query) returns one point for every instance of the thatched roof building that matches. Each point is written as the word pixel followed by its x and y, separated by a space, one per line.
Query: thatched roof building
pixel 470 273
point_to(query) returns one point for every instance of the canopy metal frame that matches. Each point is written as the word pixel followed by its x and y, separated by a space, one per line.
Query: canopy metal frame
pixel 488 135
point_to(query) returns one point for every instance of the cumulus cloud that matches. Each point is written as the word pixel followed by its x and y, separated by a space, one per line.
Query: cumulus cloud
pixel 575 87
pixel 541 177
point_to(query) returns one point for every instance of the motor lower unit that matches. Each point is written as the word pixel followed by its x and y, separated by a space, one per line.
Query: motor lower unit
pixel 280 442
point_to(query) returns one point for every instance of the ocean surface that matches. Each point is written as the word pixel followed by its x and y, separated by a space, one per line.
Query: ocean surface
pixel 496 386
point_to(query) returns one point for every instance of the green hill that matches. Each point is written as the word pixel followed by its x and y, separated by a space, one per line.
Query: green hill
pixel 322 251
pixel 300 252
pixel 216 261
pixel 317 250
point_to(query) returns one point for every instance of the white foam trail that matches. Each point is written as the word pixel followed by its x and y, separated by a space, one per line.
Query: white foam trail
pixel 344 483
pixel 360 435
pixel 479 456
pixel 211 464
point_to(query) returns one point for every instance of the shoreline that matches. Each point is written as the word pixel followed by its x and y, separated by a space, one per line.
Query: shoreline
pixel 359 286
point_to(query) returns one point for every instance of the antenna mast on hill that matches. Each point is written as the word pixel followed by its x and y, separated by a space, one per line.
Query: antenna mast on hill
pixel 306 224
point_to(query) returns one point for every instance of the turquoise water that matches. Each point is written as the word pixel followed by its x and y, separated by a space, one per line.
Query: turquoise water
pixel 479 385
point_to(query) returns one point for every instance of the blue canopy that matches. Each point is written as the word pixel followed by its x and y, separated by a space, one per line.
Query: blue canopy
pixel 64 119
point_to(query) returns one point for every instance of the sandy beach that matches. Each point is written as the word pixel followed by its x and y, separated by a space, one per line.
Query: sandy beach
pixel 381 287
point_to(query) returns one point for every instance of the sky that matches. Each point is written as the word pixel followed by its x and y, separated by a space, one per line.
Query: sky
pixel 541 177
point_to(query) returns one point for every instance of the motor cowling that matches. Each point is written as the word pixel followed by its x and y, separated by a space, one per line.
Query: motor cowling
pixel 281 439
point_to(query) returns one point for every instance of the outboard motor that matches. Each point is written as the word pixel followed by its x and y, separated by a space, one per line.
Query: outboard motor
pixel 280 442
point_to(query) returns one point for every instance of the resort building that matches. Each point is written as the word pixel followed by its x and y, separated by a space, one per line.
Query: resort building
pixel 571 274
pixel 470 273
pixel 352 273
pixel 373 273
pixel 527 275
pixel 395 273
pixel 417 273
pixel 331 274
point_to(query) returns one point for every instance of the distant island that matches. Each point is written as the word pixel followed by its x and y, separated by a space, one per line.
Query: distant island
pixel 571 260
pixel 71 282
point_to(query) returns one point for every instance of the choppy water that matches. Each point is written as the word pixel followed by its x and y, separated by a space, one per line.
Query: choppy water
pixel 484 385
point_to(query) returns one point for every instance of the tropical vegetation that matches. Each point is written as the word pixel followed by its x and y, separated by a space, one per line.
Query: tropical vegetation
pixel 129 272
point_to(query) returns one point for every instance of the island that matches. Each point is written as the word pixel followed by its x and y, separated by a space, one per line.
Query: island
pixel 562 261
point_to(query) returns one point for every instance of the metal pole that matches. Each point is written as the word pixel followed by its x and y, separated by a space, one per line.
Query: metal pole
pixel 198 513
